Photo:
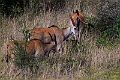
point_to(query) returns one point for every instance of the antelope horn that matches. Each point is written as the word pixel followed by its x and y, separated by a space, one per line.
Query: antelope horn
pixel 77 12
pixel 78 24
pixel 72 20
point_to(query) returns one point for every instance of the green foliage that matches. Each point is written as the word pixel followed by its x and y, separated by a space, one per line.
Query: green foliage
pixel 25 32
pixel 111 36
pixel 20 55
pixel 113 74
pixel 12 7
pixel 107 12
pixel 23 60
pixel 4 77
pixel 15 7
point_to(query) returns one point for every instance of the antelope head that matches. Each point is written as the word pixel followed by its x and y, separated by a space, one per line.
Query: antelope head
pixel 78 20
pixel 73 28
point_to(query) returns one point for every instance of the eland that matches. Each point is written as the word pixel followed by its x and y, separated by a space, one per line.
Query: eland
pixel 78 21
pixel 62 34
pixel 33 47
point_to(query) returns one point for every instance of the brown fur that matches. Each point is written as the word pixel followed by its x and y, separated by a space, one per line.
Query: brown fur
pixel 42 34
pixel 79 15
pixel 33 47
pixel 61 34
pixel 78 22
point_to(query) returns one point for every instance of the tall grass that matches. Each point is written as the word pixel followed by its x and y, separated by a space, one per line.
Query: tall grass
pixel 78 61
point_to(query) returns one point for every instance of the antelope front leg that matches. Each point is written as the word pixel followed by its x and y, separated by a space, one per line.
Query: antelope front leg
pixel 59 48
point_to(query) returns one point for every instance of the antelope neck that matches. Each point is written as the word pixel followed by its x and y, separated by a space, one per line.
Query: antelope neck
pixel 66 32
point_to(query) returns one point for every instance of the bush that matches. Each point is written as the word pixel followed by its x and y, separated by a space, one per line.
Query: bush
pixel 16 7
pixel 107 12
pixel 111 36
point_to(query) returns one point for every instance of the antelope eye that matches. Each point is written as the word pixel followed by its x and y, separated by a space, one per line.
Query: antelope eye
pixel 75 28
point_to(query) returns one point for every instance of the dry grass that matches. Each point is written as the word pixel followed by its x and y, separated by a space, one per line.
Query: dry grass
pixel 84 61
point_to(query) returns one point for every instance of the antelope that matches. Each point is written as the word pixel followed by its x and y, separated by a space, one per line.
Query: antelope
pixel 61 34
pixel 78 21
pixel 34 47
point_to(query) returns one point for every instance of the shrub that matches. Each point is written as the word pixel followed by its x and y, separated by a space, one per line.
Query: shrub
pixel 111 36
pixel 107 12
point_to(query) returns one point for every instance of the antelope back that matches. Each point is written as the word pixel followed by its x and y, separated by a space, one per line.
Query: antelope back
pixel 42 33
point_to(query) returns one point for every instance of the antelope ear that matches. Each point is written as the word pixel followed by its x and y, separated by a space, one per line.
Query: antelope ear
pixel 72 21
pixel 77 12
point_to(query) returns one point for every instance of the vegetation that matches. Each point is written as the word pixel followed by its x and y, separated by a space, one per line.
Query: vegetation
pixel 78 61
pixel 111 36
pixel 12 8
